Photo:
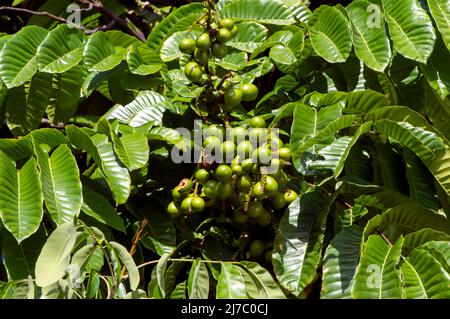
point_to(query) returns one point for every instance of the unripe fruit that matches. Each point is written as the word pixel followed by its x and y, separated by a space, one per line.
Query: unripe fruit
pixel 239 200
pixel 249 167
pixel 185 186
pixel 186 205
pixel 219 50
pixel 237 134
pixel 203 42
pixel 277 200
pixel 249 92
pixel 257 135
pixel 187 45
pixel 224 173
pixel 285 154
pixel 193 71
pixel 202 176
pixel 257 248
pixel 201 56
pixel 176 194
pixel 262 155
pixel 223 35
pixel 240 217
pixel 258 191
pixel 257 122
pixel 227 23
pixel 227 149
pixel 271 186
pixel 237 169
pixel 232 97
pixel 244 149
pixel 234 31
pixel 255 209
pixel 210 188
pixel 173 210
pixel 197 204
pixel 290 196
pixel 265 219
pixel 244 183
pixel 212 144
pixel 215 130
pixel 224 190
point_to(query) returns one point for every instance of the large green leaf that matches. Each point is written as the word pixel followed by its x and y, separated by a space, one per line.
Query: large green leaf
pixel 132 149
pixel 18 57
pixel 179 19
pixel 143 60
pixel 377 276
pixel 340 262
pixel 61 50
pixel 298 243
pixel 128 262
pixel 20 197
pixel 231 284
pixel 410 28
pixel 60 183
pixel 54 258
pixel 198 282
pixel 371 43
pixel 362 102
pixel 440 9
pixel 100 54
pixel 250 36
pixel 262 11
pixel 330 36
pixel 424 277
pixel 262 280
pixel 160 234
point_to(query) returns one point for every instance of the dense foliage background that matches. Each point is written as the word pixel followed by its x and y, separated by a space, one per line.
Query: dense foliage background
pixel 359 90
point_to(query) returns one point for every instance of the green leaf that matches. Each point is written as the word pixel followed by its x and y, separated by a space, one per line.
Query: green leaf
pixel 371 43
pixel 363 102
pixel 132 150
pixel 377 276
pixel 179 19
pixel 128 262
pixel 410 28
pixel 18 57
pixel 98 207
pixel 54 258
pixel 298 243
pixel 148 107
pixel 424 277
pixel 266 286
pixel 250 36
pixel 20 197
pixel 89 257
pixel 160 234
pixel 340 262
pixel 440 9
pixel 423 237
pixel 262 11
pixel 117 175
pixel 100 54
pixel 143 60
pixel 60 183
pixel 170 49
pixel 198 282
pixel 16 148
pixel 61 50
pixel 230 284
pixel 330 36
pixel 161 268
pixel 435 70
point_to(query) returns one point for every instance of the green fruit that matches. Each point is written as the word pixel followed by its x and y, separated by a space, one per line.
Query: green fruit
pixel 224 173
pixel 237 134
pixel 257 136
pixel 185 186
pixel 215 130
pixel 186 205
pixel 227 149
pixel 258 191
pixel 249 167
pixel 277 200
pixel 237 169
pixel 257 248
pixel 275 165
pixel 238 200
pixel 240 217
pixel 262 155
pixel 227 84
pixel 176 195
pixel 203 42
pixel 210 188
pixel 201 56
pixel 276 143
pixel 197 204
pixel 232 97
pixel 285 154
pixel 255 209
pixel 227 24
pixel 224 190
pixel 193 71
pixel 219 50
pixel 173 210
pixel 223 35
pixel 244 183
pixel 249 92
pixel 271 186
pixel 212 144
pixel 202 176
pixel 187 45
pixel 209 201
pixel 244 149
pixel 290 196
pixel 265 219
pixel 257 122
pixel 234 31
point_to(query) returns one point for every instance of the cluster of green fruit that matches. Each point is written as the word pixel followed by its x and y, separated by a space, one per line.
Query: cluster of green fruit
pixel 246 183
pixel 210 43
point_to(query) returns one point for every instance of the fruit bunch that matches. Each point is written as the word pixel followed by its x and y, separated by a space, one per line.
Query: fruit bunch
pixel 251 183
pixel 211 43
